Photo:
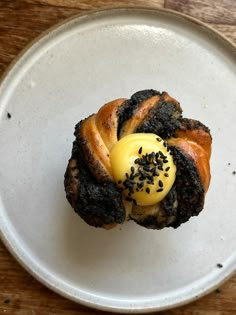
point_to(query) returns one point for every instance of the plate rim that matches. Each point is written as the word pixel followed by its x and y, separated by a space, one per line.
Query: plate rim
pixel 94 303
pixel 105 9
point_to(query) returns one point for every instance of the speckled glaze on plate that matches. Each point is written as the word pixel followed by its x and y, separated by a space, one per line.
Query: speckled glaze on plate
pixel 68 74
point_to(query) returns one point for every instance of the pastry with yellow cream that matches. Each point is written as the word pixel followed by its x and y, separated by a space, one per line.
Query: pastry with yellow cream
pixel 139 159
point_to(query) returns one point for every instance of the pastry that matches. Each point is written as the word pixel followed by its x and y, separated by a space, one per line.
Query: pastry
pixel 139 159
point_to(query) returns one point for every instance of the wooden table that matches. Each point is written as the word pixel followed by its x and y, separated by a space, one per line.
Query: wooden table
pixel 20 22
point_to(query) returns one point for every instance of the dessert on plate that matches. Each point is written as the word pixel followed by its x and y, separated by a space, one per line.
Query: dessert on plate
pixel 139 159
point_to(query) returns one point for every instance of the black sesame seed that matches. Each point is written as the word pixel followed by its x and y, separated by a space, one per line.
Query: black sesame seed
pixel 160 168
pixel 146 168
pixel 160 183
pixel 128 184
pixel 145 175
pixel 166 175
pixel 147 190
pixel 159 190
pixel 152 155
pixel 136 161
pixel 165 161
pixel 119 181
pixel 160 163
pixel 167 169
pixel 135 202
pixel 219 265
pixel 234 172
pixel 127 175
pixel 137 189
pixel 140 185
pixel 158 139
pixel 132 169
pixel 155 172
pixel 150 182
pixel 164 144
pixel 141 162
pixel 140 150
pixel 150 177
pixel 8 115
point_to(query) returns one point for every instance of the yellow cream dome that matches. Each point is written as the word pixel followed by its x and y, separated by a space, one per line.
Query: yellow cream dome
pixel 143 168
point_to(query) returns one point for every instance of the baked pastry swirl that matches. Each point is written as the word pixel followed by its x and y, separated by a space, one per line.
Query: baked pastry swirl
pixel 167 174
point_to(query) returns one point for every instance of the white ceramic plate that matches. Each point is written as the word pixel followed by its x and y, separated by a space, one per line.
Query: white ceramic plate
pixel 67 75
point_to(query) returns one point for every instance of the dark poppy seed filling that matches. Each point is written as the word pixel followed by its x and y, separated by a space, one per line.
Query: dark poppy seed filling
pixel 162 120
pixel 98 204
pixel 128 108
pixel 188 186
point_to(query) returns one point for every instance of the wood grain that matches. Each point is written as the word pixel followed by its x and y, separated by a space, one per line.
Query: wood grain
pixel 20 22
pixel 219 13
pixel 95 4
